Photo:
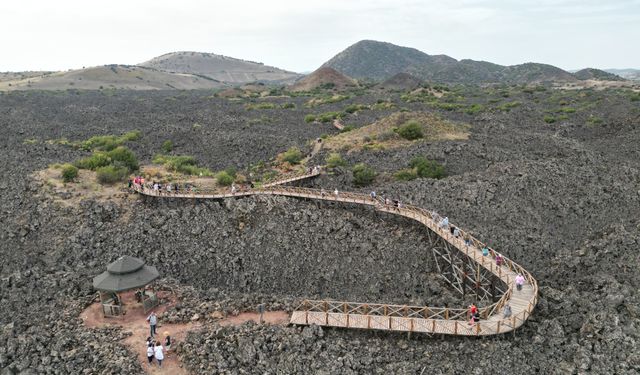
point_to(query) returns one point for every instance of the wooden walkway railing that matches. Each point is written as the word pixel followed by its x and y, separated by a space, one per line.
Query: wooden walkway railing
pixel 403 317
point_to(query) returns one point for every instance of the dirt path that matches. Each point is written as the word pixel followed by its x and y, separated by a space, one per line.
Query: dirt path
pixel 134 321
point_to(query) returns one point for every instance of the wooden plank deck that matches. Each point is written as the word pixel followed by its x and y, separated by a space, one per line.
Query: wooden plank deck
pixel 385 317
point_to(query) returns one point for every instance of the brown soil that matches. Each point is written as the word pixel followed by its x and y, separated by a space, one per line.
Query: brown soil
pixel 134 321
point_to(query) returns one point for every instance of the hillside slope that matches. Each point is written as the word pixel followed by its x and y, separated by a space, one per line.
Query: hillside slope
pixel 218 67
pixel 378 61
pixel 112 76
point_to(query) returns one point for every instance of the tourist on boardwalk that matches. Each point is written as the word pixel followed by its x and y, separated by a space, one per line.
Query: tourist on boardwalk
pixel 158 353
pixel 233 188
pixel 167 341
pixel 485 251
pixel 519 281
pixel 335 192
pixel 322 193
pixel 506 312
pixel 150 352
pixel 467 239
pixel 444 224
pixel 499 260
pixel 456 232
pixel 373 195
pixel 472 309
pixel 153 322
pixel 475 315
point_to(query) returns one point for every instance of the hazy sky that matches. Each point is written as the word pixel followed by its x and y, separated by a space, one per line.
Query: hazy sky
pixel 300 35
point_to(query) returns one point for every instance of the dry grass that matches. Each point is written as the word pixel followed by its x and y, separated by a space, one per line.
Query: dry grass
pixel 70 194
pixel 380 134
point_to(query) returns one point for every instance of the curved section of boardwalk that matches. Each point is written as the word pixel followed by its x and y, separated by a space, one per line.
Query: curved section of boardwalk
pixel 401 317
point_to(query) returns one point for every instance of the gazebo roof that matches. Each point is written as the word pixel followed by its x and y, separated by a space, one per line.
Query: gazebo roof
pixel 124 274
pixel 125 264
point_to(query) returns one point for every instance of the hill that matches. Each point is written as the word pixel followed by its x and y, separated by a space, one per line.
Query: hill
pixel 400 82
pixel 112 76
pixel 370 59
pixel 324 78
pixel 375 60
pixel 218 67
pixel 597 74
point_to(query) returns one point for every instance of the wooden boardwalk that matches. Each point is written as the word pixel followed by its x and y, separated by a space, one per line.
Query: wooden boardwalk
pixel 436 320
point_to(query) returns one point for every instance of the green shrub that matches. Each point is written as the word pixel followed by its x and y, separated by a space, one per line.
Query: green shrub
pixel 182 163
pixel 101 142
pixel 363 175
pixel 223 178
pixel 506 107
pixel 122 156
pixel 549 119
pixel 594 120
pixel 347 128
pixel 130 136
pixel 93 162
pixel 288 106
pixel 426 168
pixel 292 155
pixel 69 172
pixel 474 109
pixel 406 175
pixel 353 108
pixel 167 146
pixel 329 116
pixel 635 98
pixel 109 142
pixel 335 160
pixel 111 174
pixel 411 130
pixel 309 118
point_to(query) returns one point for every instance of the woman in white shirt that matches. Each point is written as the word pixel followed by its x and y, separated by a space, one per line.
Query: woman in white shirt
pixel 159 354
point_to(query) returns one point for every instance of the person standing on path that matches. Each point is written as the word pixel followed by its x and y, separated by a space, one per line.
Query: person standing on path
pixel 519 282
pixel 150 353
pixel 167 341
pixel 158 353
pixel 153 322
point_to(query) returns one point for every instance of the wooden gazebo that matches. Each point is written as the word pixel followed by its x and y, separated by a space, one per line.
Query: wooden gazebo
pixel 126 273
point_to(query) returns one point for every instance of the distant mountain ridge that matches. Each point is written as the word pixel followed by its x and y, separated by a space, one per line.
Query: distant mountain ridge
pixel 378 61
pixel 631 74
pixel 222 68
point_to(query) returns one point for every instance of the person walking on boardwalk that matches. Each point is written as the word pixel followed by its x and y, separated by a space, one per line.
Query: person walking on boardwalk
pixel 506 312
pixel 153 322
pixel 336 192
pixel 150 352
pixel 485 251
pixel 373 195
pixel 158 353
pixel 519 282
pixel 498 260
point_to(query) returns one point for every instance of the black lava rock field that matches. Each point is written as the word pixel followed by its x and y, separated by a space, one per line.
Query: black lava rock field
pixel 551 178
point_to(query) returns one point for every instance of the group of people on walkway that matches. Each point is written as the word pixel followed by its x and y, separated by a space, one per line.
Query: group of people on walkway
pixel 140 184
pixel 155 349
